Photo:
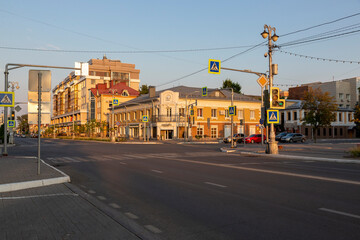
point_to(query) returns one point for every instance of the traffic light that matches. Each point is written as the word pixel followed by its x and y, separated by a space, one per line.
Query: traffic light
pixel 275 101
pixel 12 115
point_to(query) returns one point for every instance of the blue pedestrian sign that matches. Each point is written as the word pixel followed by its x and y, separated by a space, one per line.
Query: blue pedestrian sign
pixel 145 118
pixel 11 123
pixel 272 116
pixel 232 110
pixel 204 91
pixel 115 102
pixel 214 66
pixel 7 99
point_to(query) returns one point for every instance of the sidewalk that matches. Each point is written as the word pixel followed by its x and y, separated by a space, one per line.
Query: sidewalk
pixel 48 207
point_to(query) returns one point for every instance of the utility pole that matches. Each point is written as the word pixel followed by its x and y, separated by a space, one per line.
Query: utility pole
pixel 267 33
pixel 112 138
pixel 232 119
pixel 13 86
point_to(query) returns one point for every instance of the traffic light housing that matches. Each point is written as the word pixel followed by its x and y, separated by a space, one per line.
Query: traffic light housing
pixel 275 101
pixel 12 115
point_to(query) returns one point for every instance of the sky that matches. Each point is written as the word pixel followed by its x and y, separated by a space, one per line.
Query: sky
pixel 120 29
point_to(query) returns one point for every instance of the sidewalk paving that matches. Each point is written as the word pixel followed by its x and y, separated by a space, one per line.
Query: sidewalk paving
pixel 48 207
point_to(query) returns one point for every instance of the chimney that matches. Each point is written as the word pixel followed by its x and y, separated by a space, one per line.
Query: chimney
pixel 151 91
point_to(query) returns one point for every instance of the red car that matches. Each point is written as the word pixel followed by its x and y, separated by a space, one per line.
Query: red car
pixel 255 138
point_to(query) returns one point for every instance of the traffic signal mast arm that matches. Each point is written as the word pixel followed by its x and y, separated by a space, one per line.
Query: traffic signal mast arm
pixel 246 71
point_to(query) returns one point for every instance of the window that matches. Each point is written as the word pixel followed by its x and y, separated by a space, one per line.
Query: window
pixel 340 117
pixel 341 131
pixel 341 96
pixel 182 112
pixel 335 132
pixel 348 97
pixel 128 118
pixel 349 117
pixel 200 131
pixel 135 115
pixel 306 131
pixel 125 93
pixel 92 81
pixel 168 112
pixel 213 113
pixel 295 115
pixel 330 132
pixel 289 116
pixel 119 76
pixel 252 114
pixel 324 132
pixel 318 132
pixel 241 114
pixel 227 113
pixel 199 112
pixel 213 132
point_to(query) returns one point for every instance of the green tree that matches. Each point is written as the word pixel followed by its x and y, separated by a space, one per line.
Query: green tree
pixel 227 83
pixel 23 123
pixel 319 109
pixel 144 89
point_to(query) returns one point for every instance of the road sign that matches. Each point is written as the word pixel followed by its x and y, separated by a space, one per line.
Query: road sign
pixel 214 66
pixel 232 110
pixel 204 91
pixel 273 116
pixel 262 81
pixel 11 123
pixel 192 112
pixel 261 121
pixel 115 102
pixel 7 99
pixel 145 118
pixel 118 123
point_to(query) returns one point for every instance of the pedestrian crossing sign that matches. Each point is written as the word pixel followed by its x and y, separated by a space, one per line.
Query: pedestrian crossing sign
pixel 115 102
pixel 7 99
pixel 11 123
pixel 214 66
pixel 232 110
pixel 272 116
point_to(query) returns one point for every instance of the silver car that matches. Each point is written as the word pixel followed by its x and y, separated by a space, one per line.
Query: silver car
pixel 293 137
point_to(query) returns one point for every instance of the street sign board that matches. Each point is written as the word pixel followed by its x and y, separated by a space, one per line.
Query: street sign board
pixel 7 99
pixel 261 121
pixel 232 110
pixel 262 81
pixel 191 112
pixel 118 123
pixel 273 116
pixel 115 102
pixel 204 91
pixel 11 123
pixel 214 66
pixel 145 118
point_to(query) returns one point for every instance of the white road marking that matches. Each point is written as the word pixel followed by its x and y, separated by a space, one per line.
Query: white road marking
pixel 101 198
pixel 131 215
pixel 37 196
pixel 70 159
pixel 339 212
pixel 157 171
pixel 122 163
pixel 152 228
pixel 337 180
pixel 114 205
pixel 91 191
pixel 215 184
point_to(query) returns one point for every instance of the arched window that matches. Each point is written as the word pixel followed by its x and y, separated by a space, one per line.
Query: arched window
pixel 125 93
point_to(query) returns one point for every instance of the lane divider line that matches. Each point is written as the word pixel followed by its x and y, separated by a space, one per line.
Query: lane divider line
pixel 340 213
pixel 215 184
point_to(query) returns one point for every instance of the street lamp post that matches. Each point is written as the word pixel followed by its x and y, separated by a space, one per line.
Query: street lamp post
pixel 186 116
pixel 112 138
pixel 267 33
pixel 13 86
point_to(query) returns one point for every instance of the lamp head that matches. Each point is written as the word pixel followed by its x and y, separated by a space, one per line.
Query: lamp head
pixel 264 34
pixel 275 37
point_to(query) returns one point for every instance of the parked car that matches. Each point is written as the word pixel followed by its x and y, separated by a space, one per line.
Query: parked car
pixel 62 134
pixel 293 137
pixel 23 136
pixel 255 138
pixel 237 137
pixel 280 135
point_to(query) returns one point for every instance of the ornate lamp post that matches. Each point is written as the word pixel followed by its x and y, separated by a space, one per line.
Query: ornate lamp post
pixel 268 33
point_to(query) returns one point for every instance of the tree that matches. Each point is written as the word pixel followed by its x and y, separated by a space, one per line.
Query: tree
pixel 319 109
pixel 144 89
pixel 23 123
pixel 227 83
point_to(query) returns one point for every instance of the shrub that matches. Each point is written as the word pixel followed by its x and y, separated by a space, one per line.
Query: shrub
pixel 355 152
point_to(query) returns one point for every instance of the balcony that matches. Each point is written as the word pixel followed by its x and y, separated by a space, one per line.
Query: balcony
pixel 165 118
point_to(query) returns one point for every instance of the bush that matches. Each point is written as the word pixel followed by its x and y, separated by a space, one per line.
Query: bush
pixel 355 152
pixel 198 136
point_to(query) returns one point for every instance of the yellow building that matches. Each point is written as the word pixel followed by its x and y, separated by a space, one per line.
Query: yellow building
pixel 73 101
pixel 182 111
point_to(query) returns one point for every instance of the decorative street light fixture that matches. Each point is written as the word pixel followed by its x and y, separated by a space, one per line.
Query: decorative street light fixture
pixel 267 33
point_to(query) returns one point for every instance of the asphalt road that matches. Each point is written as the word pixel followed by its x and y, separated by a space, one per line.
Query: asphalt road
pixel 197 192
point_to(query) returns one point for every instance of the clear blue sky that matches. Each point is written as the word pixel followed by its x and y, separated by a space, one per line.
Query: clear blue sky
pixel 166 25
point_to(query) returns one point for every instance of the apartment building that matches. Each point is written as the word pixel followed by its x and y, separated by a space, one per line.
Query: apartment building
pixel 73 100
pixel 345 92
pixel 181 112
pixel 342 127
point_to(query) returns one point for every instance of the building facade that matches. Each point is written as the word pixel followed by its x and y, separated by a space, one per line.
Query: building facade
pixel 182 112
pixel 342 127
pixel 73 100
pixel 345 92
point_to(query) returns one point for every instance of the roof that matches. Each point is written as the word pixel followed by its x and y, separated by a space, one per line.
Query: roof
pixel 297 104
pixel 119 89
pixel 192 92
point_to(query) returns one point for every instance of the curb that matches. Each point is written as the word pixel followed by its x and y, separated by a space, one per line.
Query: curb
pixel 198 143
pixel 9 187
